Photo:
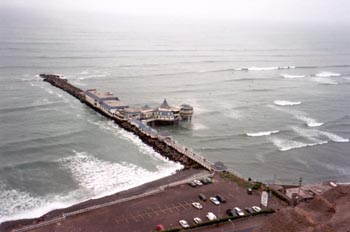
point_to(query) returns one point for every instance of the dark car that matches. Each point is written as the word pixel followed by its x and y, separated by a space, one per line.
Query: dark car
pixel 249 210
pixel 249 191
pixel 202 197
pixel 231 212
pixel 192 184
pixel 207 180
pixel 221 198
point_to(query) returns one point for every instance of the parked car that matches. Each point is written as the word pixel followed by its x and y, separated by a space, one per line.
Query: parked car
pixel 256 208
pixel 202 197
pixel 211 216
pixel 197 182
pixel 204 181
pixel 221 198
pixel 214 200
pixel 184 224
pixel 197 205
pixel 209 180
pixel 197 220
pixel 249 210
pixel 231 212
pixel 239 211
pixel 192 184
pixel 249 191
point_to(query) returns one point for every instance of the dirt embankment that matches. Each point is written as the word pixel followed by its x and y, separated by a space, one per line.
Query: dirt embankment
pixel 328 212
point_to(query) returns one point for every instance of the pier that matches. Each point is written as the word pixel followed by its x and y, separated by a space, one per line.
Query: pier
pixel 136 120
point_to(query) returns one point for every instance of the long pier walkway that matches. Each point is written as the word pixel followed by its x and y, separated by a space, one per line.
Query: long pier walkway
pixel 166 146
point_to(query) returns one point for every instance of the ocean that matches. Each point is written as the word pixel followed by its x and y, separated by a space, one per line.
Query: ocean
pixel 271 102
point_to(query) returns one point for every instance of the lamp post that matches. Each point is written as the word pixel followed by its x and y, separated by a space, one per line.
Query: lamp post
pixel 300 181
pixel 233 225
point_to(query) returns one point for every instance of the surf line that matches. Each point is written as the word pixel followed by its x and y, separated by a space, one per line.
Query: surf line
pixel 165 146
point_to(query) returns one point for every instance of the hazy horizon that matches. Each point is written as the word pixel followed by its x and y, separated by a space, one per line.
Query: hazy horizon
pixel 265 11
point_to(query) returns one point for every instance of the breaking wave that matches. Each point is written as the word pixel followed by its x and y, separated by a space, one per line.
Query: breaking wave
pixel 263 68
pixel 285 144
pixel 288 76
pixel 316 137
pixel 95 177
pixel 110 127
pixel 198 126
pixel 328 74
pixel 286 103
pixel 16 204
pixel 101 178
pixel 310 122
pixel 319 136
pixel 262 133
pixel 324 80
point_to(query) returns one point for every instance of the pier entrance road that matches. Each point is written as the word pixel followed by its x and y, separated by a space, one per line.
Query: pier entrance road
pixel 166 207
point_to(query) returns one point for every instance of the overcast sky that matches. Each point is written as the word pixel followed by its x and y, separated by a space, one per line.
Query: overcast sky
pixel 253 10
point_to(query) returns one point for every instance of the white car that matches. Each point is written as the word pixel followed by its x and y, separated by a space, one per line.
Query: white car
pixel 184 224
pixel 256 208
pixel 238 211
pixel 197 205
pixel 197 220
pixel 198 182
pixel 215 201
pixel 211 216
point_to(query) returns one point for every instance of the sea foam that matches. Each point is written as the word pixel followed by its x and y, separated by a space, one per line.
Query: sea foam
pixel 324 80
pixel 286 103
pixel 262 133
pixel 288 76
pixel 285 144
pixel 101 178
pixel 328 74
pixel 263 68
pixel 310 122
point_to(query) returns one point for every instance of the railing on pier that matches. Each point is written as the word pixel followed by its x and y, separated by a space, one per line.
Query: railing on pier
pixel 170 142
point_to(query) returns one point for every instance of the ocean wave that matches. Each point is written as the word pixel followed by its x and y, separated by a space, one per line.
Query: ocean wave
pixel 263 68
pixel 39 104
pixel 325 66
pixel 48 89
pixel 262 133
pixel 286 145
pixel 286 103
pixel 310 122
pixel 102 178
pixel 310 134
pixel 328 74
pixel 95 177
pixel 110 127
pixel 234 114
pixel 199 126
pixel 334 137
pixel 324 80
pixel 16 204
pixel 319 136
pixel 288 76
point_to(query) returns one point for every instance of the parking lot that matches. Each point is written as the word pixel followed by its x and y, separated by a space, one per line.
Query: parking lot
pixel 166 208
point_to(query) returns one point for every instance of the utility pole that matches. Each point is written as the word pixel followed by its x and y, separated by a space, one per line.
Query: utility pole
pixel 300 181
